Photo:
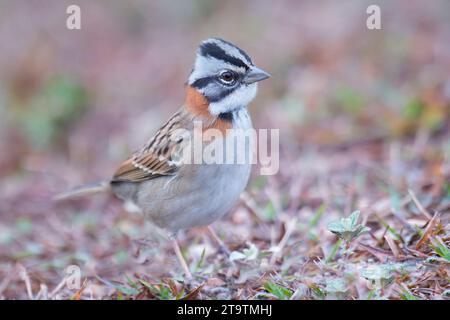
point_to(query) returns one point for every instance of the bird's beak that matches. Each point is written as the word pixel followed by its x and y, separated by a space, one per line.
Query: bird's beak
pixel 254 75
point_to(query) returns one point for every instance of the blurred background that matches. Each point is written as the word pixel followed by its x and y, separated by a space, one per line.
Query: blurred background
pixel 364 115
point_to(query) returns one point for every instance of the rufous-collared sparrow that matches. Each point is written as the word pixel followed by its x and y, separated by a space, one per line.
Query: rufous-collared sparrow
pixel 176 194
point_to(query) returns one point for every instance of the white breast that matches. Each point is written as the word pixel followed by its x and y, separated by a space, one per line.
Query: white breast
pixel 202 193
pixel 241 119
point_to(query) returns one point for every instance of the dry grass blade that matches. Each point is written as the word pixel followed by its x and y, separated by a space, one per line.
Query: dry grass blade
pixel 77 295
pixel 392 245
pixel 43 293
pixel 290 226
pixel 419 205
pixel 378 253
pixel 428 230
pixel 25 278
pixel 58 288
pixel 4 284
pixel 192 295
pixel 249 204
pixel 172 285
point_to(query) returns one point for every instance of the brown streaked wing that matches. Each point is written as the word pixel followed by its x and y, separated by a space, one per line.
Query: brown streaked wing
pixel 153 160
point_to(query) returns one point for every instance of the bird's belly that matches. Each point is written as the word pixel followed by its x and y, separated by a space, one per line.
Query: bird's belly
pixel 210 193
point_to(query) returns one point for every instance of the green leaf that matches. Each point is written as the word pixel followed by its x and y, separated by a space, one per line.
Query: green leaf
pixel 131 282
pixel 162 291
pixel 260 182
pixel 317 291
pixel 372 294
pixel 440 248
pixel 201 260
pixel 447 187
pixel 334 251
pixel 317 215
pixel 127 291
pixel 413 109
pixel 351 100
pixel 165 293
pixel 269 211
pixel 280 292
pixel 24 225
pixel 408 296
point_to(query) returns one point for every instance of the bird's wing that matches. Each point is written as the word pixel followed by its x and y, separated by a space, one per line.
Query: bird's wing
pixel 159 156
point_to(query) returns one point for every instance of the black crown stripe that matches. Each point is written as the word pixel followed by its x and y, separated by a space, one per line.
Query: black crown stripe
pixel 237 48
pixel 213 50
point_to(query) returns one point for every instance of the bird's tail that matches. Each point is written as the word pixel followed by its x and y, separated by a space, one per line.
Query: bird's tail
pixel 84 190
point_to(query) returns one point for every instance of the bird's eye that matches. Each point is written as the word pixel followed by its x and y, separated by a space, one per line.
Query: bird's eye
pixel 227 77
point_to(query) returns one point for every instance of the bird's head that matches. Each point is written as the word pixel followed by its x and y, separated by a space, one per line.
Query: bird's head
pixel 225 76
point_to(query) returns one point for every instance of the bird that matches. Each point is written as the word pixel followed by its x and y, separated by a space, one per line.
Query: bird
pixel 175 194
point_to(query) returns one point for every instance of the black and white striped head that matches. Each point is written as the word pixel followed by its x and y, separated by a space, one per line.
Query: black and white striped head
pixel 225 76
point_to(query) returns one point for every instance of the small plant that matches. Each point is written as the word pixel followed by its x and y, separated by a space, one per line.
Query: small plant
pixel 348 228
